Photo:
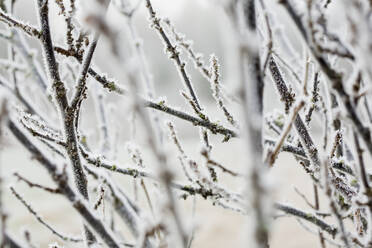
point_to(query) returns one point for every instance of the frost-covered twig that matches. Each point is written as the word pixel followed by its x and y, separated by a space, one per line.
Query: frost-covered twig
pixel 213 127
pixel 334 77
pixel 286 129
pixel 306 139
pixel 309 217
pixel 12 22
pixel 124 207
pixel 82 79
pixel 79 204
pixel 218 165
pixel 173 51
pixel 67 111
pixel 216 88
pixel 36 185
pixel 333 205
pixel 41 220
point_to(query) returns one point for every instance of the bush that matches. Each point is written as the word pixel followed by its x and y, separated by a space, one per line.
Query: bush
pixel 322 85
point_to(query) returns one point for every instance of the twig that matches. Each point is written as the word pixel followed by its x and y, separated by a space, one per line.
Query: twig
pixel 333 205
pixel 36 185
pixel 309 217
pixel 66 110
pixel 39 219
pixel 100 199
pixel 333 76
pixel 306 139
pixel 174 53
pixel 213 127
pixel 12 22
pixel 273 155
pixel 79 204
pixel 81 82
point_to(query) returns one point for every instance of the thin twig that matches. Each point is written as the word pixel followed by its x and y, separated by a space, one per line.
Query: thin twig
pixel 39 219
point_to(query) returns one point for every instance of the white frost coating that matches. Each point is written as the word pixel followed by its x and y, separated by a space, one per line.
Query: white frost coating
pixel 38 125
pixel 101 141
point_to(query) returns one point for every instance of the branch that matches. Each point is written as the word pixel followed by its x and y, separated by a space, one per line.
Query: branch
pixel 81 82
pixel 50 60
pixel 39 219
pixel 302 131
pixel 36 185
pixel 67 112
pixel 333 76
pixel 213 127
pixel 12 22
pixel 309 217
pixel 80 205
pixel 273 155
pixel 172 49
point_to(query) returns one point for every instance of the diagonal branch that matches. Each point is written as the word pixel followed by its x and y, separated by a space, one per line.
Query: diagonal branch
pixel 302 131
pixel 309 217
pixel 213 127
pixel 172 49
pixel 66 111
pixel 12 22
pixel 81 82
pixel 79 204
pixel 41 220
pixel 333 76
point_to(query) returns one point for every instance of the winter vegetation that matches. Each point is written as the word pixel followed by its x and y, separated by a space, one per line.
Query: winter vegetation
pixel 299 87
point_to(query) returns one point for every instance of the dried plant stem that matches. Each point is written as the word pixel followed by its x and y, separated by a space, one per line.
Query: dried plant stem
pixel 273 155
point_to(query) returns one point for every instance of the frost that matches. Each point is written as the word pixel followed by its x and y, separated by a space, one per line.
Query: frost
pixel 129 177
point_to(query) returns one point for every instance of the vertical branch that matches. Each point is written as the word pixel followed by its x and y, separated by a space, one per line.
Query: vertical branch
pixel 317 208
pixel 61 97
pixel 252 98
pixel 50 60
